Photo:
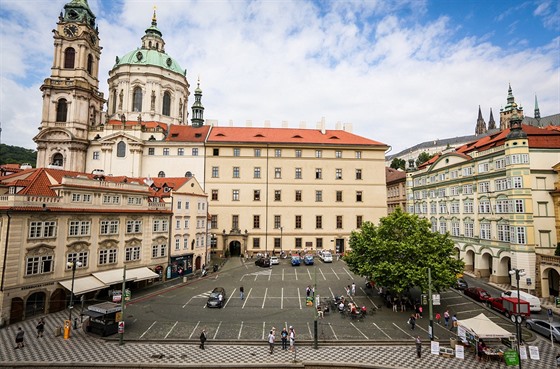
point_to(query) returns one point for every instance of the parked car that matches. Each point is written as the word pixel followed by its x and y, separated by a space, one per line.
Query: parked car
pixel 477 293
pixel 326 256
pixel 274 260
pixel 308 259
pixel 296 260
pixel 214 300
pixel 543 327
pixel 263 262
pixel 461 284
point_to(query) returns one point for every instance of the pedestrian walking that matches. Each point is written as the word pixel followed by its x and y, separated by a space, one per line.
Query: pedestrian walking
pixel 308 291
pixel 40 328
pixel 438 318
pixel 242 292
pixel 347 288
pixel 19 338
pixel 292 339
pixel 353 289
pixel 202 338
pixel 454 322
pixel 284 337
pixel 420 310
pixel 412 321
pixel 446 318
pixel 418 347
pixel 417 311
pixel 271 341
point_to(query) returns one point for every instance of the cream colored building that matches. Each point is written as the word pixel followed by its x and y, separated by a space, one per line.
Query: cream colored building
pixel 396 189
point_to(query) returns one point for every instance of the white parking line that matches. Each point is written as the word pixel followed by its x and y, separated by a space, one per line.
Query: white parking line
pixel 146 331
pixel 240 330
pixel 369 298
pixel 186 303
pixel 382 331
pixel 358 329
pixel 309 273
pixel 323 274
pixel 264 298
pixel 405 332
pixel 295 272
pixel 263 331
pixel 426 331
pixel 471 311
pixel 347 272
pixel 299 298
pixel 333 332
pixel 463 303
pixel 256 276
pixel 229 298
pixel 309 330
pixel 336 275
pixel 282 300
pixel 194 329
pixel 332 293
pixel 270 274
pixel 246 298
pixel 217 329
pixel 283 274
pixel 168 333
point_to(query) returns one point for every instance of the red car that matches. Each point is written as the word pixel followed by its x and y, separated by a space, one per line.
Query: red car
pixel 477 293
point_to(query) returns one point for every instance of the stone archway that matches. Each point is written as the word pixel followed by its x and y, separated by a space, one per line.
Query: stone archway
pixel 235 248
pixel 484 267
pixel 198 263
pixel 550 280
pixel 501 270
pixel 469 261
pixel 16 310
pixel 35 304
pixel 57 302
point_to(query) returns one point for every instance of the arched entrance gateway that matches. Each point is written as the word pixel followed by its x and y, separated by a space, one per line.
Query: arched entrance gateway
pixel 35 304
pixel 235 248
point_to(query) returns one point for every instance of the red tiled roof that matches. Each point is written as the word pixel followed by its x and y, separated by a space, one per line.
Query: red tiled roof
pixel 182 133
pixel 130 123
pixel 287 135
pixel 393 175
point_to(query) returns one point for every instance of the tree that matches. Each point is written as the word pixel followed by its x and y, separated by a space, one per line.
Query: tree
pixel 398 164
pixel 422 158
pixel 398 252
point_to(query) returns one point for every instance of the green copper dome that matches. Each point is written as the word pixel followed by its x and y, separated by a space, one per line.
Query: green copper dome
pixel 150 57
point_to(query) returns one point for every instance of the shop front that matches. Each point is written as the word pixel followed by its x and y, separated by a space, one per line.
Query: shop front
pixel 103 318
pixel 180 266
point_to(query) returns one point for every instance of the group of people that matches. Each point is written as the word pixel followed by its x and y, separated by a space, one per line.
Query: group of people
pixel 20 333
pixel 446 317
pixel 285 336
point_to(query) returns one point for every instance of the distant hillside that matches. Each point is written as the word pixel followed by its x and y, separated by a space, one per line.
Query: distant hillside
pixel 17 155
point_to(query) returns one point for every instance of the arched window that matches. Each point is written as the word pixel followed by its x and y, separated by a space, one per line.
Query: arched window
pixel 137 99
pixel 161 174
pixel 166 104
pixel 69 58
pixel 61 110
pixel 90 64
pixel 58 159
pixel 121 149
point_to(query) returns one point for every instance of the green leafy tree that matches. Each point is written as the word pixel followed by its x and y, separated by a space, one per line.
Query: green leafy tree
pixel 398 252
pixel 17 155
pixel 422 158
pixel 398 163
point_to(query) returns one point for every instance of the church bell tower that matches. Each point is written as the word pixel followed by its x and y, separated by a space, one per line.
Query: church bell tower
pixel 72 103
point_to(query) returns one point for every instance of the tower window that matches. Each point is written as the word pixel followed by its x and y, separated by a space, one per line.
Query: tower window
pixel 69 58
pixel 137 99
pixel 121 149
pixel 58 159
pixel 161 174
pixel 90 64
pixel 166 104
pixel 61 110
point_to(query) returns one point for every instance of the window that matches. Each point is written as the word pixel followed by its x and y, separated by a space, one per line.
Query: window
pixel 177 244
pixel 257 152
pixel 121 149
pixel 277 195
pixel 61 110
pixel 166 151
pixel 137 100
pixel 109 227
pixel 298 153
pixel 338 174
pixel 358 174
pixel 299 242
pixel 318 154
pixel 318 196
pixel 39 265
pixel 455 229
pixel 81 197
pixel 298 173
pixel 216 152
pixel 278 153
pixel 107 256
pixel 257 172
pixel 277 221
pixel 318 173
pixel 95 155
pixel 298 195
pixel 46 229
pixel 235 195
pixel 151 151
pixel 159 251
pixel 89 64
pixel 80 257
pixel 469 229
pixel 235 172
pixel 69 58
pixel 442 207
pixel 359 196
pixel 236 151
pixel 215 172
pixel 256 221
pixel 298 222
pixel 187 222
pixel 214 195
pixel 256 195
pixel 277 242
pixel 338 196
pixel 467 189
pixel 467 171
pixel 455 207
pixel 194 152
pixel 519 206
pixel 484 207
pixel 433 221
pixel 484 187
pixel 485 231
pixel 79 228
pixel 520 235
pixel 483 167
pixel 359 221
pixel 358 154
pixel 516 182
pixel 503 232
pixel 319 221
pixel 338 154
pixel 166 108
pixel 214 221
pixel 160 225
pixel 235 221
pixel 319 243
pixel 133 226
pixel 161 174
pixel 277 173
pixel 339 221
pixel 132 253
pixel 256 243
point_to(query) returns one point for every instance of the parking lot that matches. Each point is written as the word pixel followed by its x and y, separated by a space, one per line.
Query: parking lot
pixel 276 297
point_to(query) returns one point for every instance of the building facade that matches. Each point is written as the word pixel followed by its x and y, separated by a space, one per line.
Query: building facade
pixel 396 189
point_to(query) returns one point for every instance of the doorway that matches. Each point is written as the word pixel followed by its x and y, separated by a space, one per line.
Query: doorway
pixel 235 248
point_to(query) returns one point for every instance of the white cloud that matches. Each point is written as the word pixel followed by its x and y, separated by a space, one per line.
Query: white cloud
pixel 398 76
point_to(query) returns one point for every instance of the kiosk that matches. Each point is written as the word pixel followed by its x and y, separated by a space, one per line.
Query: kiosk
pixel 103 318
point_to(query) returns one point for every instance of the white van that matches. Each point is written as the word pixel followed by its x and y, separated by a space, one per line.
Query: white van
pixel 534 301
pixel 326 257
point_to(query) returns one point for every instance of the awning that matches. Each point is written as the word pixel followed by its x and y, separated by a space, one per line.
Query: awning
pixel 140 274
pixel 114 276
pixel 83 285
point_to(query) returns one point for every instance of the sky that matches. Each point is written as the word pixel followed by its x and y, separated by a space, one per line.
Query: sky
pixel 400 72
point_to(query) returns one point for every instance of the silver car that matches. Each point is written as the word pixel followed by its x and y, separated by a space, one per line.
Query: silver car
pixel 543 327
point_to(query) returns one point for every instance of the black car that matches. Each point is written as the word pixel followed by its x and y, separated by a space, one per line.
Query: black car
pixel 217 298
pixel 263 262
pixel 461 284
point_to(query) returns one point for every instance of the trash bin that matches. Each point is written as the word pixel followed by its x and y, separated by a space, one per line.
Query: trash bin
pixel 57 331
pixel 453 342
pixel 184 279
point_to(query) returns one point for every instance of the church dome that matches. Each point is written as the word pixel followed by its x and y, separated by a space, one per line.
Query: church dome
pixel 147 57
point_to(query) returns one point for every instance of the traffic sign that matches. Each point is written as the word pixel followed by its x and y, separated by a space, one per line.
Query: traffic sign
pixel 121 327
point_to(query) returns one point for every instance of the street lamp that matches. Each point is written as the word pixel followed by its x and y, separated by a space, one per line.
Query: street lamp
pixel 72 264
pixel 518 274
pixel 281 230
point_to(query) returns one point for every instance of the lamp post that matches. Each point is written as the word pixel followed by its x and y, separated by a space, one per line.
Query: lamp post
pixel 518 274
pixel 72 264
pixel 281 230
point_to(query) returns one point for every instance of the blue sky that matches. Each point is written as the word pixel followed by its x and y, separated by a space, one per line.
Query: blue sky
pixel 400 72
